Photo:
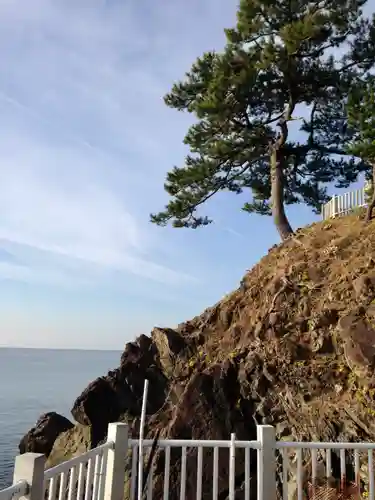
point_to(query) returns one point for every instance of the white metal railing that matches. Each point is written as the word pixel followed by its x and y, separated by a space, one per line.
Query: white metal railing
pixel 80 477
pixel 318 482
pixel 15 491
pixel 264 465
pixel 319 473
pixel 95 475
pixel 343 204
pixel 188 446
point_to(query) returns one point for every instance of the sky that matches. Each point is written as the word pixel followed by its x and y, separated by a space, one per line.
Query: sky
pixel 85 144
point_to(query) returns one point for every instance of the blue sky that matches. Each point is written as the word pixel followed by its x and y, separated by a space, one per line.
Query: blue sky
pixel 85 143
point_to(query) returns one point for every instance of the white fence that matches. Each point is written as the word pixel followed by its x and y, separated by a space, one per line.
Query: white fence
pixel 298 469
pixel 318 479
pixel 343 204
pixel 95 475
pixel 265 434
pixel 17 490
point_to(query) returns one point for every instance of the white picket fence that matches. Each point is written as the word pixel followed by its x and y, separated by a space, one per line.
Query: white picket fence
pixel 343 204
pixel 100 473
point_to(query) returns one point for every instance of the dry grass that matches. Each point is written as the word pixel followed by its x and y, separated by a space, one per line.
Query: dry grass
pixel 292 286
pixel 350 492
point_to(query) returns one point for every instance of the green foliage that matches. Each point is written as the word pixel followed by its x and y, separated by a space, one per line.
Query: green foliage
pixel 361 117
pixel 277 64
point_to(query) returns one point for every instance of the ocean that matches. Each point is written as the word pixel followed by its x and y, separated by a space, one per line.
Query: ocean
pixel 35 381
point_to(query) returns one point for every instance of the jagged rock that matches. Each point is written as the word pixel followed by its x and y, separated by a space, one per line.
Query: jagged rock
pixel 98 405
pixel 141 352
pixel 359 341
pixel 169 344
pixel 364 286
pixel 327 317
pixel 208 404
pixel 140 361
pixel 41 437
pixel 121 391
pixel 274 318
pixel 70 444
pixel 209 408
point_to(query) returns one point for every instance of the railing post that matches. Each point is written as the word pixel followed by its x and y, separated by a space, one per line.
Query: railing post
pixel 232 467
pixel 335 206
pixel 30 467
pixel 266 477
pixel 116 462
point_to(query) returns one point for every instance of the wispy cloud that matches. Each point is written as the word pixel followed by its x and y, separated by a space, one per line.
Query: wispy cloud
pixel 84 133
pixel 77 221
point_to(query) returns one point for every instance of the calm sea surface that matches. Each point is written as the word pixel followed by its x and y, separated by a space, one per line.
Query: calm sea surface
pixel 34 381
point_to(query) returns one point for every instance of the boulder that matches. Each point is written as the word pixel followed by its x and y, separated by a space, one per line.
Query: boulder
pixel 364 286
pixel 120 392
pixel 70 444
pixel 103 401
pixel 41 437
pixel 359 341
pixel 98 402
pixel 169 344
pixel 141 352
pixel 140 361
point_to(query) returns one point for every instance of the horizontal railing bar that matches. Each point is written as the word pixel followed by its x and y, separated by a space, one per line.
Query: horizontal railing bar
pixel 315 445
pixel 65 466
pixel 15 491
pixel 195 443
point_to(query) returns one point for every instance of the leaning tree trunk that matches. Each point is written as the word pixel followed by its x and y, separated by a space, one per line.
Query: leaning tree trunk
pixel 277 196
pixel 371 204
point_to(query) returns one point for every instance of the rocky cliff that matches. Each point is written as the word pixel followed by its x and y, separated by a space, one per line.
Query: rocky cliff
pixel 293 346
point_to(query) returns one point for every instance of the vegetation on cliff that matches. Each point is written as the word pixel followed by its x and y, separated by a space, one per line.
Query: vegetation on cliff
pixel 361 117
pixel 293 346
pixel 282 60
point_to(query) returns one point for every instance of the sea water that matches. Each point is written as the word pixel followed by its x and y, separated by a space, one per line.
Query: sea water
pixel 35 381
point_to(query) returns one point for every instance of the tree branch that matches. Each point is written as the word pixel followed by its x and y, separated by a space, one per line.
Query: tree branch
pixel 250 125
pixel 311 135
pixel 220 185
pixel 306 148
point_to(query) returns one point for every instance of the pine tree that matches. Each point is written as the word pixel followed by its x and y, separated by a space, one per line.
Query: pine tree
pixel 361 117
pixel 284 58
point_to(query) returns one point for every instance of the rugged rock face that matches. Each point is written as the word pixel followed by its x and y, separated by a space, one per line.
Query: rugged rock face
pixel 121 391
pixel 169 345
pixel 70 444
pixel 41 437
pixel 208 409
pixel 293 346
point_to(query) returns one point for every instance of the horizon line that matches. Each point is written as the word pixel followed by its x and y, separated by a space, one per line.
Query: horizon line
pixel 59 348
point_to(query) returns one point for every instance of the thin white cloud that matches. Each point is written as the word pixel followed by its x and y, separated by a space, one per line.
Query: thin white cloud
pixel 15 272
pixel 79 221
pixel 89 224
pixel 84 134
